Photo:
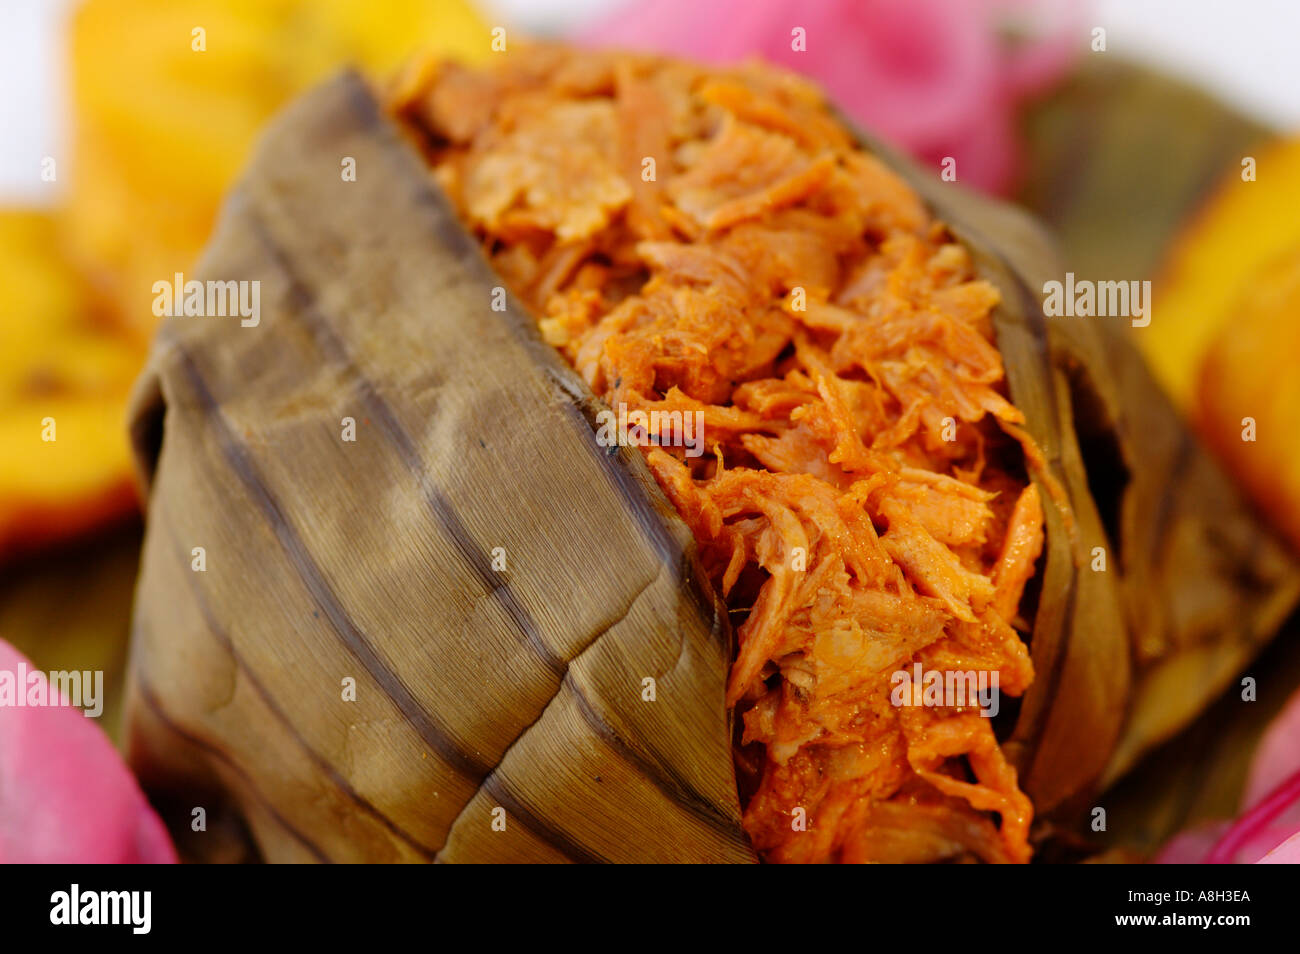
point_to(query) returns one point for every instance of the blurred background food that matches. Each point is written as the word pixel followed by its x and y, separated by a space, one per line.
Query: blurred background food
pixel 64 372
pixel 122 135
pixel 164 101
pixel 165 127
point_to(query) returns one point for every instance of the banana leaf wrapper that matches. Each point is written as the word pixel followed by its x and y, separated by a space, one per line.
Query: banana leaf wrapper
pixel 501 713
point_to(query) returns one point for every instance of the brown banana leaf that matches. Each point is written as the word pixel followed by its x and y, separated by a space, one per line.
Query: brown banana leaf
pixel 1200 583
pixel 1090 177
pixel 522 690
pixel 475 689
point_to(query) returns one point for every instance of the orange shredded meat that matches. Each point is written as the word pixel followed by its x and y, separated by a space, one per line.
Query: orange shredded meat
pixel 713 242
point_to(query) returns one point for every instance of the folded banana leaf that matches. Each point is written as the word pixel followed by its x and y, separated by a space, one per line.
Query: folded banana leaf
pixel 475 634
pixel 1201 583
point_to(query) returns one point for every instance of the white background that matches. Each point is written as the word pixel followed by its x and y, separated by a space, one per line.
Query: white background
pixel 1248 51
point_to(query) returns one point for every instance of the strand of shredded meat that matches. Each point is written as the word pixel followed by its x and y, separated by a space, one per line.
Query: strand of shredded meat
pixel 714 241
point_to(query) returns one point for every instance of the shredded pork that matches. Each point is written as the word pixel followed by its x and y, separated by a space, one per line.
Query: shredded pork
pixel 714 241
